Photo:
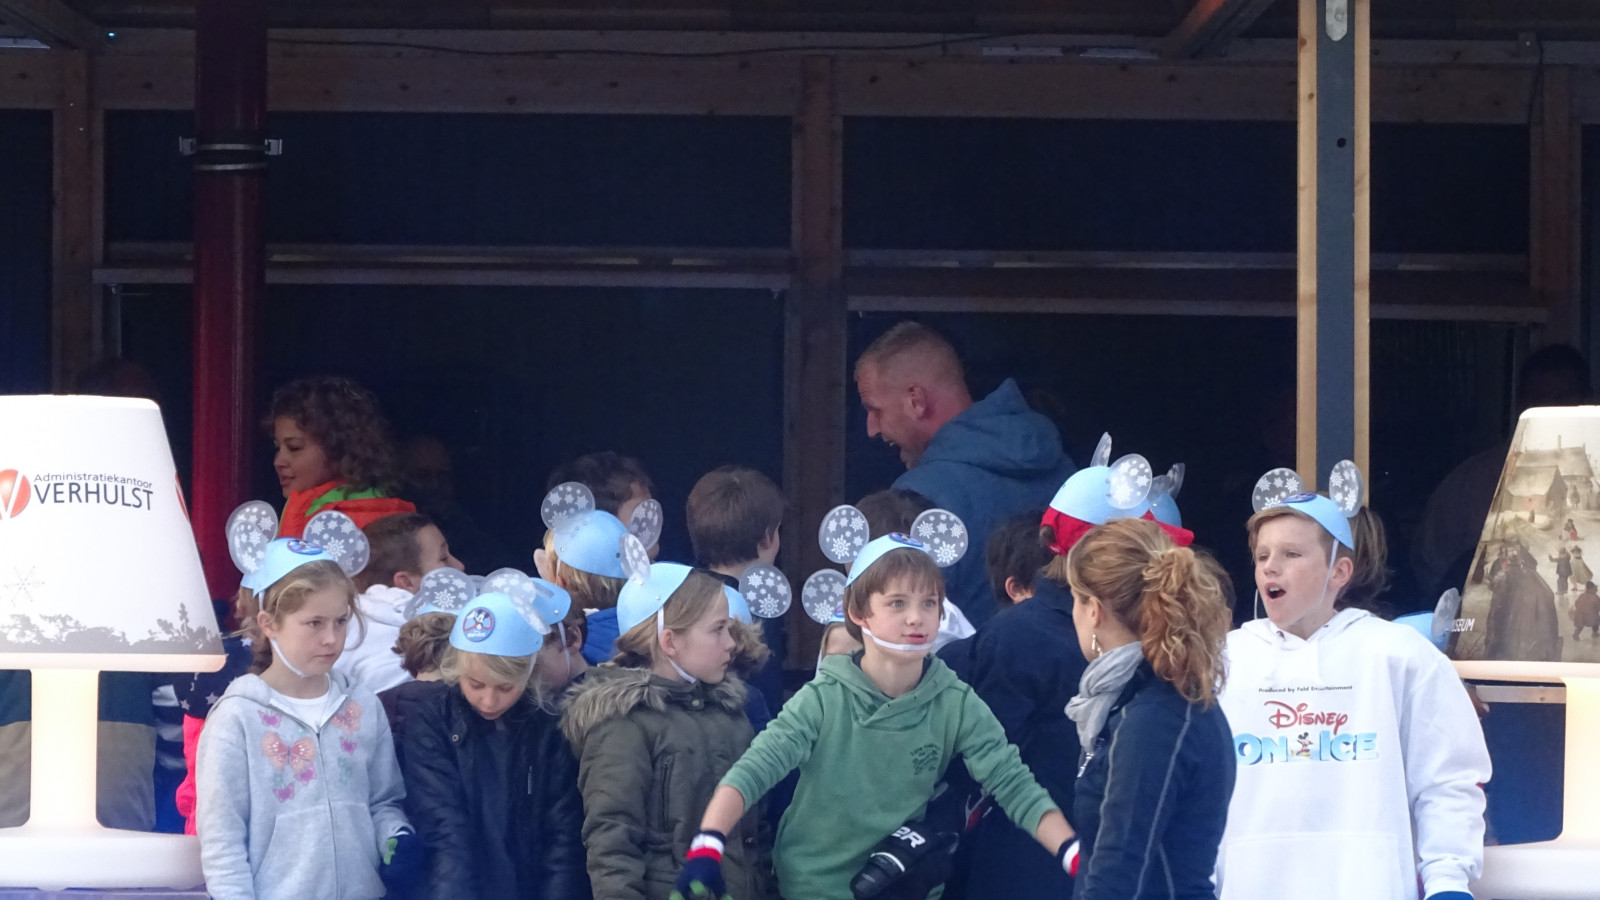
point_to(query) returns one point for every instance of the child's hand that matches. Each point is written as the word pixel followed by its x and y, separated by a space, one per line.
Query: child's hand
pixel 405 859
pixel 701 878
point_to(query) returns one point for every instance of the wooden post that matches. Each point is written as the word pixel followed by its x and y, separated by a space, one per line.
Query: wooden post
pixel 77 340
pixel 1333 283
pixel 1553 220
pixel 815 334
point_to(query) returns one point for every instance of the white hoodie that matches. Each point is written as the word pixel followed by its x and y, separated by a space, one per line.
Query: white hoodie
pixel 1360 764
pixel 371 661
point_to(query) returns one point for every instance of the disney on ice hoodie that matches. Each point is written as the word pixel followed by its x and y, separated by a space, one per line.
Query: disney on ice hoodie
pixel 1353 747
pixel 294 811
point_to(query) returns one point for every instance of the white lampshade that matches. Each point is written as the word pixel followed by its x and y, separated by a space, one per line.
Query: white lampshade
pixel 98 564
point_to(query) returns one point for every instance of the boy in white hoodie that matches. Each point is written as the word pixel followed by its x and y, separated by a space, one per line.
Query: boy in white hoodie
pixel 405 547
pixel 1360 756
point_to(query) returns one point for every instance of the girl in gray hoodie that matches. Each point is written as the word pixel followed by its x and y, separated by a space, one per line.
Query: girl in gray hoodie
pixel 298 792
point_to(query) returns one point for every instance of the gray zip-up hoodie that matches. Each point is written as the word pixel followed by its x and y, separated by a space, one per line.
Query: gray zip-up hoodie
pixel 288 811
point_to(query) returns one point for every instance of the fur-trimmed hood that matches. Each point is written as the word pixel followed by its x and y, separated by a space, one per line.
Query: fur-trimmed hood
pixel 609 691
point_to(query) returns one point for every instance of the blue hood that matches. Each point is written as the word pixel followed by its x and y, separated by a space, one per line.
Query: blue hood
pixel 1000 434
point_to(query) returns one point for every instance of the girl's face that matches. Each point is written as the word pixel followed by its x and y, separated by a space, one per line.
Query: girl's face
pixel 311 637
pixel 838 642
pixel 433 553
pixel 1291 557
pixel 486 692
pixel 904 613
pixel 300 461
pixel 706 647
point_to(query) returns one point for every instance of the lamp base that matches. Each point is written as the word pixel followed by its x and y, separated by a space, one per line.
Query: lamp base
pixel 1550 870
pixel 93 857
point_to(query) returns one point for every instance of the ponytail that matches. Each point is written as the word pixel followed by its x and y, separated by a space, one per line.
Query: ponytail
pixel 1174 598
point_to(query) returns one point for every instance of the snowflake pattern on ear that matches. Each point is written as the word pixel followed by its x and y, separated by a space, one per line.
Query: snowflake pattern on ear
pixel 1346 487
pixel 822 594
pixel 525 595
pixel 766 590
pixel 337 533
pixel 1102 452
pixel 944 534
pixel 1175 477
pixel 564 501
pixel 251 527
pixel 1275 487
pixel 1129 483
pixel 442 590
pixel 635 559
pixel 645 522
pixel 843 533
pixel 1444 615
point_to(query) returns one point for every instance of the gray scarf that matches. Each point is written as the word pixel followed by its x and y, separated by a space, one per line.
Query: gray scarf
pixel 1102 684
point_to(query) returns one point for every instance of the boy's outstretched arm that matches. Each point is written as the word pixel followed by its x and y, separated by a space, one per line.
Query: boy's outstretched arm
pixel 1055 834
pixel 726 809
pixel 701 876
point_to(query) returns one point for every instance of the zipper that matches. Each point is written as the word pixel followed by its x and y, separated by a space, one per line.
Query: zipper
pixel 666 782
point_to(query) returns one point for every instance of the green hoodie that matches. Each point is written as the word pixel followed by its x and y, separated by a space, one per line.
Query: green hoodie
pixel 869 764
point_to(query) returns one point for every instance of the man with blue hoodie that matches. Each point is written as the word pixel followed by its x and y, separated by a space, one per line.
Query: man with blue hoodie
pixel 983 461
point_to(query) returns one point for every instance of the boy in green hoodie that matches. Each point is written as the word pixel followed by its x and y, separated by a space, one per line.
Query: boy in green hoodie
pixel 871 735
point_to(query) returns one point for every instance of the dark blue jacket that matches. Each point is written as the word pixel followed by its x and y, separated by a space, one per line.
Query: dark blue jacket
pixel 1153 797
pixel 994 460
pixel 1025 664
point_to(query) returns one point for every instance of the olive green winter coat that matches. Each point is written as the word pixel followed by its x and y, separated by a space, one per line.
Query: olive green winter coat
pixel 650 753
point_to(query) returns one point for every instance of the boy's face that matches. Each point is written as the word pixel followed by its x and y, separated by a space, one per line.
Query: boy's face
pixel 903 613
pixel 433 552
pixel 489 695
pixel 1291 561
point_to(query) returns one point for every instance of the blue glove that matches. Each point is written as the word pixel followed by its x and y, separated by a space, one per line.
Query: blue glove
pixel 405 861
pixel 701 877
pixel 1450 895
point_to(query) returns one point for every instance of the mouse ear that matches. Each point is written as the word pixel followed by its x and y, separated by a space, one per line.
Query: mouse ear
pixel 645 523
pixel 822 594
pixel 1444 616
pixel 767 591
pixel 1175 475
pixel 1102 452
pixel 250 529
pixel 944 533
pixel 337 533
pixel 635 558
pixel 1129 483
pixel 843 533
pixel 1346 487
pixel 564 501
pixel 442 590
pixel 525 596
pixel 1273 487
pixel 1160 486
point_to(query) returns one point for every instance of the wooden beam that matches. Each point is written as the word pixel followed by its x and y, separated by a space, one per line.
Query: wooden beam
pixel 815 337
pixel 1210 26
pixel 30 79
pixel 1554 217
pixel 77 340
pixel 51 21
pixel 1361 141
pixel 1306 244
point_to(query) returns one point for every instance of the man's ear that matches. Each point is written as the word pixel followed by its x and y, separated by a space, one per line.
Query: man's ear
pixel 916 401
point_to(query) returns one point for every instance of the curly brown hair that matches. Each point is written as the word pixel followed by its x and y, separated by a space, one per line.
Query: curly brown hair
pixel 346 420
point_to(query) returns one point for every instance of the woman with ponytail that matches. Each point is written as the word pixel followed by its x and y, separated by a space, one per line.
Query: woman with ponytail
pixel 1157 768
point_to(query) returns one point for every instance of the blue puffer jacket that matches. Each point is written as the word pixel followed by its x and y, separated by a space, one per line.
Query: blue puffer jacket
pixel 994 460
pixel 1153 797
pixel 1025 663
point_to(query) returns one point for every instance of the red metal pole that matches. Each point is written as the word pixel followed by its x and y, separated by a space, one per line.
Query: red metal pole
pixel 229 254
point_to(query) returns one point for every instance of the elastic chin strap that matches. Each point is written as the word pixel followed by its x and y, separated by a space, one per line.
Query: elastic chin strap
pixel 660 627
pixel 278 651
pixel 566 652
pixel 906 648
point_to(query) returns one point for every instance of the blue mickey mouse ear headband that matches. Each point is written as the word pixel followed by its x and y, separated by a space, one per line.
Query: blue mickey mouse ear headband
pixel 764 591
pixel 843 538
pixel 1282 487
pixel 496 625
pixel 442 590
pixel 542 599
pixel 330 536
pixel 822 596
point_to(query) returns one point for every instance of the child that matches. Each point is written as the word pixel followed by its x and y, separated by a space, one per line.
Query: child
pixel 619 483
pixel 299 794
pixel 836 641
pixel 654 731
pixel 492 783
pixel 1014 557
pixel 405 547
pixel 1363 722
pixel 871 735
pixel 1152 793
pixel 560 663
pixel 734 515
pixel 332 452
pixel 582 554
pixel 420 645
pixel 892 512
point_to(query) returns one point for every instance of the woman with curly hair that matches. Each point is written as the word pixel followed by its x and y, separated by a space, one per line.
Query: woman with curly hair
pixel 332 452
